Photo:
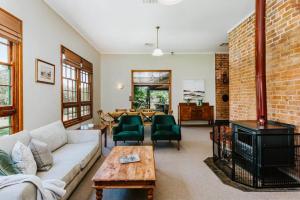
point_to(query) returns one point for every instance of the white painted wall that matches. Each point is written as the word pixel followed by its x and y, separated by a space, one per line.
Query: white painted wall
pixel 117 69
pixel 43 32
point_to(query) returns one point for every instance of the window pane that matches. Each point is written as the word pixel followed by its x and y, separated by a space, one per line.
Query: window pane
pixel 5 75
pixel 70 113
pixel 5 95
pixel 85 110
pixel 69 84
pixel 4 51
pixel 5 126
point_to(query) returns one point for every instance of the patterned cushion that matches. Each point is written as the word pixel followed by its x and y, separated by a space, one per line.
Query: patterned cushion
pixel 6 165
pixel 42 155
pixel 23 159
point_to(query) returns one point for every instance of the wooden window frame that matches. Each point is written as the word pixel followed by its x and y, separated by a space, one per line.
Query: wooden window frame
pixel 143 84
pixel 11 29
pixel 80 64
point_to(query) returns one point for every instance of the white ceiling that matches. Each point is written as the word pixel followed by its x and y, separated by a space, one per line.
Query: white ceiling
pixel 124 26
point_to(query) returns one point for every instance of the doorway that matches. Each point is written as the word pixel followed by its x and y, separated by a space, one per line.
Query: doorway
pixel 151 89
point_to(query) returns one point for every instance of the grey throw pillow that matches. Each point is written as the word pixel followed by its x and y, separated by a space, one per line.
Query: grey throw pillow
pixel 41 154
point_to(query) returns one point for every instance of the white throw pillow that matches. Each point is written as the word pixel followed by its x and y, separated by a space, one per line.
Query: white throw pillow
pixel 23 159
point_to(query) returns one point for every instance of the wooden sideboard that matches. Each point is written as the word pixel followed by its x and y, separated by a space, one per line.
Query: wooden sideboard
pixel 192 112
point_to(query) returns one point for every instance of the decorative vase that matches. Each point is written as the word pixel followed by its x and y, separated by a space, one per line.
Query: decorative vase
pixel 200 102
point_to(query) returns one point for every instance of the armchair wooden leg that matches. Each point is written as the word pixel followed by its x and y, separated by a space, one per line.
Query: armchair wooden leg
pixel 116 143
pixel 153 144
pixel 178 145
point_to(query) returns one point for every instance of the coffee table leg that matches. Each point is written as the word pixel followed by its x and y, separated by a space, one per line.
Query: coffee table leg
pixel 99 194
pixel 150 194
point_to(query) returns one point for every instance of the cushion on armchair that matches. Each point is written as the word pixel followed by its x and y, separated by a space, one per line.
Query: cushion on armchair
pixel 164 127
pixel 130 127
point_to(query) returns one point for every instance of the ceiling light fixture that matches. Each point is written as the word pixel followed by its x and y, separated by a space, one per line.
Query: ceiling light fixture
pixel 157 51
pixel 169 2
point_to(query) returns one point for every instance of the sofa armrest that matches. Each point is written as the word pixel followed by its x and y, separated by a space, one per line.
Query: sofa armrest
pixel 81 136
pixel 19 191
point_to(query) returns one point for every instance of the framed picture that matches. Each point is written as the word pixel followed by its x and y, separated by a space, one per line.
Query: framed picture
pixel 193 90
pixel 45 72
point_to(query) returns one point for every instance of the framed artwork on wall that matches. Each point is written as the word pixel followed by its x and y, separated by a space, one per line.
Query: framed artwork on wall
pixel 45 72
pixel 193 90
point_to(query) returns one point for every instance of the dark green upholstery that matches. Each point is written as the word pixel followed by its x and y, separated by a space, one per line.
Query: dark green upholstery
pixel 130 128
pixel 164 128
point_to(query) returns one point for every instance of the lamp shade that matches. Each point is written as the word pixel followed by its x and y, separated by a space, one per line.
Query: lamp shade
pixel 169 2
pixel 157 52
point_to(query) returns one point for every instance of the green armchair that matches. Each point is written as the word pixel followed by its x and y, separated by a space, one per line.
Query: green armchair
pixel 130 128
pixel 164 128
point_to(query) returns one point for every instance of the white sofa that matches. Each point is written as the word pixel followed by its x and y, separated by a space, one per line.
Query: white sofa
pixel 74 153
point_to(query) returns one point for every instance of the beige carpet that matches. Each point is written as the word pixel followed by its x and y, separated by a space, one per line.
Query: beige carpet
pixel 181 175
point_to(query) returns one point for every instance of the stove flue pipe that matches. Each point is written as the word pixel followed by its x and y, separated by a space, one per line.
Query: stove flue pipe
pixel 260 64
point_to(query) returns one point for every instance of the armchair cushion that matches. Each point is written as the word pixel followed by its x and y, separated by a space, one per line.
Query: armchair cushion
pixel 128 135
pixel 166 135
pixel 164 127
pixel 129 127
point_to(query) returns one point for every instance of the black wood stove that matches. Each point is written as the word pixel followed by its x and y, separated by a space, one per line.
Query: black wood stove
pixel 265 156
pixel 259 153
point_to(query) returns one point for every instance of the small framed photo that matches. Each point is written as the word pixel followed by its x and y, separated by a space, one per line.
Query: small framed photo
pixel 45 72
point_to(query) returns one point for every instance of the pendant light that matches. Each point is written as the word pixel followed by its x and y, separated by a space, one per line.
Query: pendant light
pixel 157 51
pixel 169 2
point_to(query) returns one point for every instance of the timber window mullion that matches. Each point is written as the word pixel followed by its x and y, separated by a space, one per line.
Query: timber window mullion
pixel 75 81
pixel 11 103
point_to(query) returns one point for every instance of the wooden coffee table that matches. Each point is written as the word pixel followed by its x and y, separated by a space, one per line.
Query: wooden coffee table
pixel 139 175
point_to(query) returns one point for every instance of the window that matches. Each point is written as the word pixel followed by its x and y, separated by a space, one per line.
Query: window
pixel 151 89
pixel 77 78
pixel 11 109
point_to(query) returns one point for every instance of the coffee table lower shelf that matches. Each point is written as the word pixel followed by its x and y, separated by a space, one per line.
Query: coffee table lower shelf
pixel 146 185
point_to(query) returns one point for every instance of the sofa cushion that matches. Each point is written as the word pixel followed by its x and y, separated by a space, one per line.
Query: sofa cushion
pixel 24 191
pixel 7 166
pixel 8 142
pixel 64 170
pixel 83 151
pixel 54 135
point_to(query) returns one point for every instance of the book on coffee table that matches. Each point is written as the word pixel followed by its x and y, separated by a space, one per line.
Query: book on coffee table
pixel 131 158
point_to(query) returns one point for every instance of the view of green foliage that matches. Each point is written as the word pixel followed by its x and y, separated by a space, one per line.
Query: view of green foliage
pixel 140 97
pixel 143 96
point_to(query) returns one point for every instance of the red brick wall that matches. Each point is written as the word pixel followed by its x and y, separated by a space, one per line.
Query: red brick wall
pixel 222 67
pixel 242 71
pixel 283 64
